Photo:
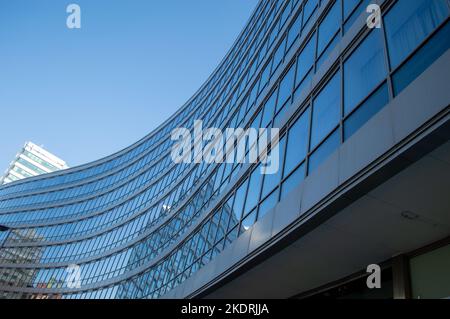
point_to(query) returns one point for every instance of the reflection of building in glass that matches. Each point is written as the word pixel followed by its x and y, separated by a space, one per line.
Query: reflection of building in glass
pixel 364 173
pixel 29 255
pixel 32 160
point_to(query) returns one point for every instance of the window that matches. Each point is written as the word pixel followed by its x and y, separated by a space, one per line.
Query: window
pixel 305 60
pixel 232 235
pixel 310 7
pixel 268 204
pixel 294 30
pixel 292 181
pixel 349 6
pixel 297 145
pixel 265 76
pixel 278 57
pixel 409 22
pixel 272 37
pixel 272 180
pixel 228 218
pixel 352 10
pixel 329 27
pixel 326 110
pixel 269 109
pixel 363 71
pixel 365 112
pixel 286 86
pixel 431 51
pixel 239 200
pixel 285 14
pixel 253 190
pixel 248 221
pixel 325 150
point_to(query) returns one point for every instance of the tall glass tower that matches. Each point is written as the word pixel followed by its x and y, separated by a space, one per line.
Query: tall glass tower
pixel 32 160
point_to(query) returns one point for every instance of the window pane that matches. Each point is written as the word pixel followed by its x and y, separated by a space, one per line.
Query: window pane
pixel 285 15
pixel 329 26
pixel 248 221
pixel 239 200
pixel 286 87
pixel 305 60
pixel 409 22
pixel 297 146
pixel 232 235
pixel 326 111
pixel 269 109
pixel 361 7
pixel 432 50
pixel 268 204
pixel 272 180
pixel 365 112
pixel 265 76
pixel 363 71
pixel 327 51
pixel 304 85
pixel 293 181
pixel 294 30
pixel 253 190
pixel 310 6
pixel 349 6
pixel 278 57
pixel 325 150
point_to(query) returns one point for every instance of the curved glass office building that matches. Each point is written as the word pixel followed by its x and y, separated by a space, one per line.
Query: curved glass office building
pixel 363 113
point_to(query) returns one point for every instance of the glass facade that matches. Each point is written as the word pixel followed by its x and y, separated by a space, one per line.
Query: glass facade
pixel 138 225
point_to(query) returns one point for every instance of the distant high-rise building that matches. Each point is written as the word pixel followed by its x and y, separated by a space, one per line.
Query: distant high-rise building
pixel 32 160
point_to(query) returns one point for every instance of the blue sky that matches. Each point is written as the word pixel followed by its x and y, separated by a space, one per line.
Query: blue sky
pixel 84 94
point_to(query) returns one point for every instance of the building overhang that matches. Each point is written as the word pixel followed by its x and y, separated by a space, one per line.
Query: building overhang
pixel 384 192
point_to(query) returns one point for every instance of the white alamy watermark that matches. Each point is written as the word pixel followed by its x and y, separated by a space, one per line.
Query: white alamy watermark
pixel 235 145
pixel 73 21
pixel 374 19
pixel 374 279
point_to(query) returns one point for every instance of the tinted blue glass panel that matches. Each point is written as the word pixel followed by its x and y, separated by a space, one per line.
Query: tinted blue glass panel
pixel 269 109
pixel 265 76
pixel 326 110
pixel 309 8
pixel 325 150
pixel 361 8
pixel 329 26
pixel 285 15
pixel 286 86
pixel 409 22
pixel 349 6
pixel 431 51
pixel 294 30
pixel 365 112
pixel 278 57
pixel 248 221
pixel 306 60
pixel 232 235
pixel 280 115
pixel 268 204
pixel 253 190
pixel 239 200
pixel 328 50
pixel 363 70
pixel 304 84
pixel 297 145
pixel 272 180
pixel 227 217
pixel 293 181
